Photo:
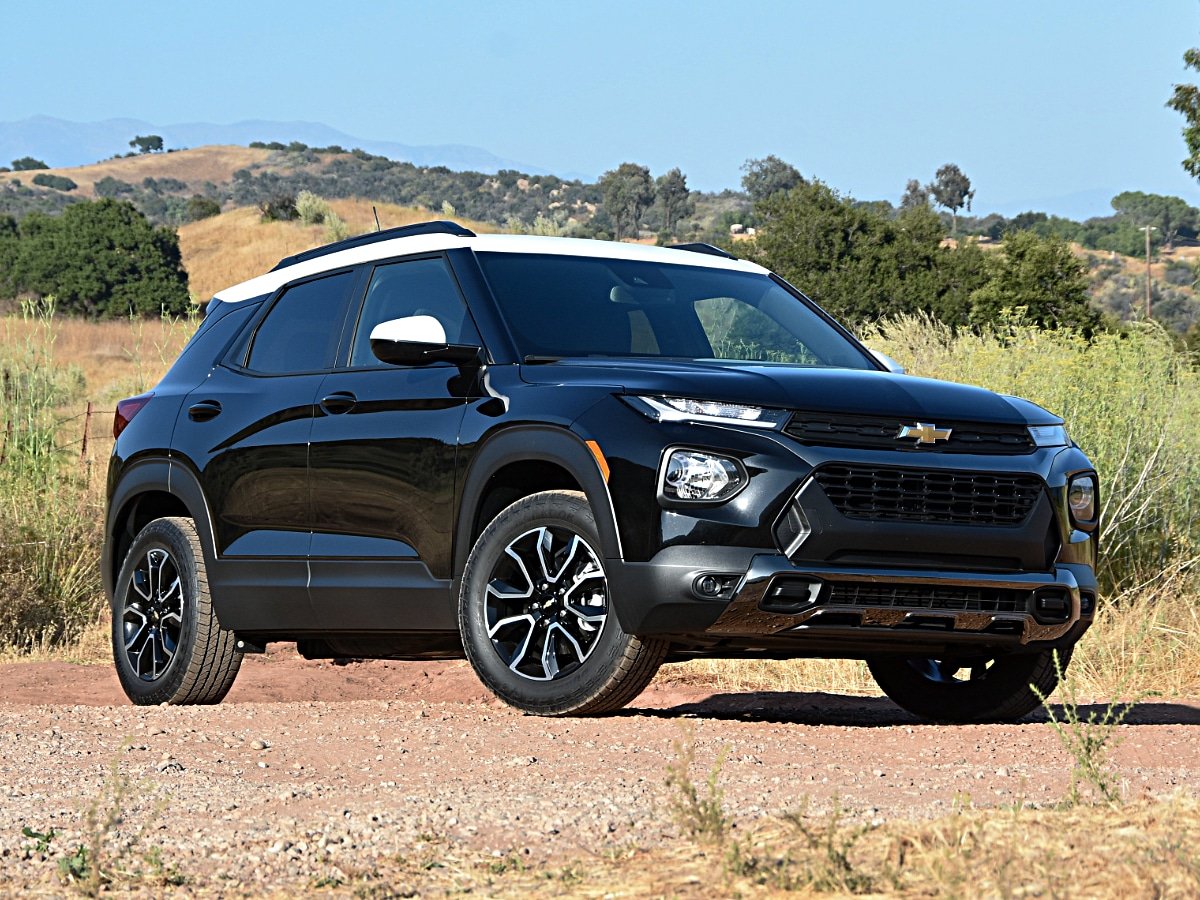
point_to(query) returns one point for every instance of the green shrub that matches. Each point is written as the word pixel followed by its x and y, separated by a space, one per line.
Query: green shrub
pixel 199 207
pixel 112 187
pixel 57 182
pixel 280 208
pixel 311 209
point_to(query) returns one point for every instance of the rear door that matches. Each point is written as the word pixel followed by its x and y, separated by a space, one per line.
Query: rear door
pixel 382 463
pixel 246 431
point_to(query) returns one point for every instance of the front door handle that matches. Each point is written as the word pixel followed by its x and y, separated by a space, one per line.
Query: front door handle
pixel 204 410
pixel 339 402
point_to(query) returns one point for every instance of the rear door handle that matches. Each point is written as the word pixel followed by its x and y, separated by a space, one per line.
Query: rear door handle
pixel 339 403
pixel 204 410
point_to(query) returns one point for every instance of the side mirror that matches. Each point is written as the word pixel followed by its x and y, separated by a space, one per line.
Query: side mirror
pixel 888 363
pixel 417 341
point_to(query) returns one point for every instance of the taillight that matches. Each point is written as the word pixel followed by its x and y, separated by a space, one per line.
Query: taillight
pixel 127 409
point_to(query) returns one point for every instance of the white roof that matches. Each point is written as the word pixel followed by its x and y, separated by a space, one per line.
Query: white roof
pixel 491 243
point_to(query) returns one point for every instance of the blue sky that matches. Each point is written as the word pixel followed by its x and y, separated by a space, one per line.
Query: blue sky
pixel 1041 103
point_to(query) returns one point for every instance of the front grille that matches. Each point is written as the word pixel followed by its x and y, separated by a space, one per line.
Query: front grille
pixel 929 496
pixel 880 433
pixel 927 596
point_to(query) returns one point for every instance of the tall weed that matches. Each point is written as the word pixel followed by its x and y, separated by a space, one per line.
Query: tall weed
pixel 49 516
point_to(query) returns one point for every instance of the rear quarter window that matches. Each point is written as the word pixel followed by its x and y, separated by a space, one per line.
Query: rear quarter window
pixel 303 328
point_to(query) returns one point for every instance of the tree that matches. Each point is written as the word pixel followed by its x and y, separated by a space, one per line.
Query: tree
pixel 628 192
pixel 1167 214
pixel 101 259
pixel 768 176
pixel 915 195
pixel 28 164
pixel 1042 277
pixel 674 198
pixel 1186 101
pixel 951 188
pixel 860 264
pixel 147 143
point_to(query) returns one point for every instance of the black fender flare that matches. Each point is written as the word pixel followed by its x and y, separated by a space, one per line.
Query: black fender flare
pixel 521 443
pixel 160 475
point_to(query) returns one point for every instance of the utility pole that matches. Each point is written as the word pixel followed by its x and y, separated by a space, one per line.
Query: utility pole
pixel 1148 229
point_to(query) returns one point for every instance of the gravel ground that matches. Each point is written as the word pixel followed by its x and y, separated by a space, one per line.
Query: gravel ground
pixel 310 774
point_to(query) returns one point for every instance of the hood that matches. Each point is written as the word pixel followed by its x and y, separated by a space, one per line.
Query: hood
pixel 794 387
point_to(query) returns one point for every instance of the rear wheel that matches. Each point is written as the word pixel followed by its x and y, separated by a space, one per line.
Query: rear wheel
pixel 969 689
pixel 167 643
pixel 536 615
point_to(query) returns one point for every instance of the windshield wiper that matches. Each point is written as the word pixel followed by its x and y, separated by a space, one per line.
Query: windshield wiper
pixel 541 360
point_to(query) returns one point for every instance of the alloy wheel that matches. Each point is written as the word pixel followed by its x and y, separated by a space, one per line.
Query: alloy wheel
pixel 546 603
pixel 152 614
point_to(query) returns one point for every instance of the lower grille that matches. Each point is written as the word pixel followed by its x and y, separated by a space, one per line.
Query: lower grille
pixel 924 596
pixel 930 496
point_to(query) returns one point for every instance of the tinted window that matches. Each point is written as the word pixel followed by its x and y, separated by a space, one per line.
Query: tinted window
pixel 561 306
pixel 302 330
pixel 420 287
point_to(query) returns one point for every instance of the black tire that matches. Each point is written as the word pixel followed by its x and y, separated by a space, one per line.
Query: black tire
pixel 997 689
pixel 587 665
pixel 167 643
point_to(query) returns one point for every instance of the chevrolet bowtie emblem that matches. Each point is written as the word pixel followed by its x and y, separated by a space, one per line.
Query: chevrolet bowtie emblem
pixel 924 433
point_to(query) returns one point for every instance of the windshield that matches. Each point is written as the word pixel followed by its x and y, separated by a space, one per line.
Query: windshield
pixel 562 306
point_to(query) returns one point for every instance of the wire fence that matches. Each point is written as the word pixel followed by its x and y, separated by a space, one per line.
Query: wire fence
pixel 90 420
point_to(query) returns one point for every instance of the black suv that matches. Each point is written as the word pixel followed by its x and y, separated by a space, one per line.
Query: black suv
pixel 572 461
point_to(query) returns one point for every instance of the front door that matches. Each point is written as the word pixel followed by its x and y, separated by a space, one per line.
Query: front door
pixel 382 465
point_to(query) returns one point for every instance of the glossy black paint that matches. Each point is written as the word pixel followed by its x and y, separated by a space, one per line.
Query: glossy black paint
pixel 340 505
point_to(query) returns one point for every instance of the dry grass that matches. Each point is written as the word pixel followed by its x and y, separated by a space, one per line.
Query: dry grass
pixel 216 164
pixel 1144 850
pixel 838 676
pixel 237 245
pixel 92 646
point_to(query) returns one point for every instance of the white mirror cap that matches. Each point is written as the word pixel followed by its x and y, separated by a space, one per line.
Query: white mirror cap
pixel 415 329
pixel 888 363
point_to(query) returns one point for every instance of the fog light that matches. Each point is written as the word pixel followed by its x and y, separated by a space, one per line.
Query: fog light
pixel 715 585
pixel 695 476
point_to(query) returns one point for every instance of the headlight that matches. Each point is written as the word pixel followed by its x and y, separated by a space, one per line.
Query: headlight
pixel 1049 435
pixel 1081 499
pixel 693 475
pixel 682 409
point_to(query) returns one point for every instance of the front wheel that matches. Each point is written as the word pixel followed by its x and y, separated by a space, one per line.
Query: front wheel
pixel 969 689
pixel 536 614
pixel 167 643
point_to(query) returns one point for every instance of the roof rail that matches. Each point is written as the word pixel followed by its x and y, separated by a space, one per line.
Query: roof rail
pixel 702 248
pixel 438 227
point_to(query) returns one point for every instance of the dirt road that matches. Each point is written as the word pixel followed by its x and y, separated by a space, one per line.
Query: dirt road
pixel 312 772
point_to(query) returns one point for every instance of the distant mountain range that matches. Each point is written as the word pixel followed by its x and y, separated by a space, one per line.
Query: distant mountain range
pixel 62 143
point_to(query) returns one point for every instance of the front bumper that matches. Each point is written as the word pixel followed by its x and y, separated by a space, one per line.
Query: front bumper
pixel 773 604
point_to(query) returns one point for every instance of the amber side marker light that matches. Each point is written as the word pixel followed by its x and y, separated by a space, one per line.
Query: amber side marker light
pixel 600 460
pixel 126 410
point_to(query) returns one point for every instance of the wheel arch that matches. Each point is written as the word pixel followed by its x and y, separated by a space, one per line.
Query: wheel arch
pixel 150 489
pixel 525 460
